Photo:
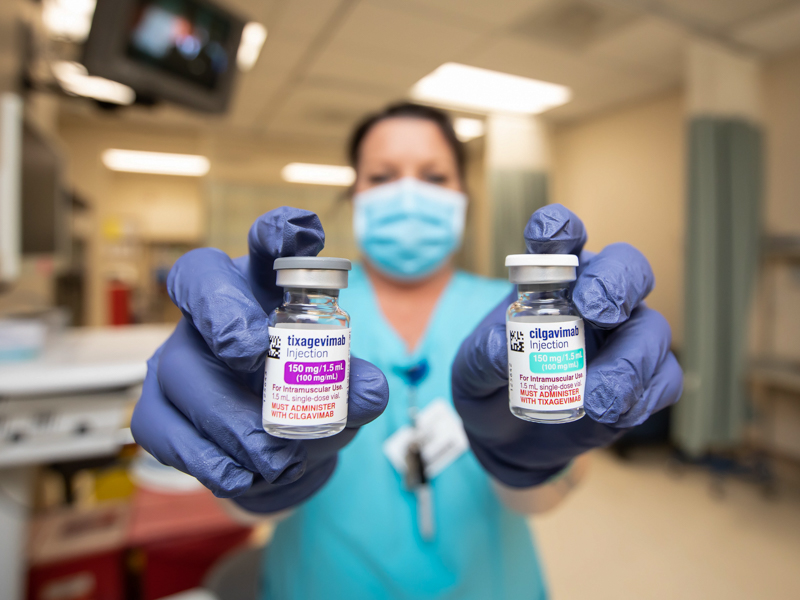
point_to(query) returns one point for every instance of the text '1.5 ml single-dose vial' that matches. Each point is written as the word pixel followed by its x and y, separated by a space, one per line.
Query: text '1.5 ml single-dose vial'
pixel 546 348
pixel 308 360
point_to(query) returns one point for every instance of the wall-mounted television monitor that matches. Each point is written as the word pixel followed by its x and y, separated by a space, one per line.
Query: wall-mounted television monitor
pixel 183 51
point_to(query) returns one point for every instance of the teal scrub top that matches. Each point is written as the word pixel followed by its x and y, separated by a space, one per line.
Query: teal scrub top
pixel 357 538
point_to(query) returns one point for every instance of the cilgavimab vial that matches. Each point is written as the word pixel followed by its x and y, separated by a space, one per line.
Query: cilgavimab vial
pixel 546 347
pixel 308 359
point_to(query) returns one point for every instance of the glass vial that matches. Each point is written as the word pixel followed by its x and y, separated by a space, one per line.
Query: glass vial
pixel 308 360
pixel 546 347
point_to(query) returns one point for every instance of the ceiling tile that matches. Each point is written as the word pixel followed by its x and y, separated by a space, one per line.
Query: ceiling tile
pixel 718 13
pixel 306 17
pixel 649 44
pixel 385 33
pixel 366 70
pixel 259 10
pixel 574 24
pixel 325 111
pixel 777 33
pixel 273 70
pixel 475 14
pixel 613 92
pixel 251 96
pixel 541 61
pixel 281 53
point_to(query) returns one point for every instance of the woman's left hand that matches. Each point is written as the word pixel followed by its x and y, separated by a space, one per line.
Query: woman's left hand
pixel 631 371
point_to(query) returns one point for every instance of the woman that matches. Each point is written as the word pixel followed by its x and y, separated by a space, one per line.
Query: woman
pixel 356 528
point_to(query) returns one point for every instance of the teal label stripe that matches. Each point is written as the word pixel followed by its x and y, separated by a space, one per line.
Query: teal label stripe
pixel 556 362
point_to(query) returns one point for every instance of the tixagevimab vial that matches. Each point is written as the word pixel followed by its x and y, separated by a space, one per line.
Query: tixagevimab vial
pixel 308 359
pixel 546 348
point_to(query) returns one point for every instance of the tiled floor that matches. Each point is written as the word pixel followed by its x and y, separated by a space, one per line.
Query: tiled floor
pixel 637 530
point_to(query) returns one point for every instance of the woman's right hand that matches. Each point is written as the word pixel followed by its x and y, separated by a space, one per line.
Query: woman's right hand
pixel 200 409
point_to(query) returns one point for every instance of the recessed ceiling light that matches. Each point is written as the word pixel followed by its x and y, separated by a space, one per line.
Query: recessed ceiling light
pixel 253 37
pixel 460 86
pixel 75 79
pixel 318 174
pixel 468 129
pixel 158 163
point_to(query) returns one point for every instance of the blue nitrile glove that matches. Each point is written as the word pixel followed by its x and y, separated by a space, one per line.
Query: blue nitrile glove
pixel 631 371
pixel 200 409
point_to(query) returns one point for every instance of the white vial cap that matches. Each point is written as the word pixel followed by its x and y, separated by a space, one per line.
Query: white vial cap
pixel 541 268
pixel 312 272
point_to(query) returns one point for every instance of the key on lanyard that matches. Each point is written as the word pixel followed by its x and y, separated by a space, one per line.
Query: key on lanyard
pixel 417 482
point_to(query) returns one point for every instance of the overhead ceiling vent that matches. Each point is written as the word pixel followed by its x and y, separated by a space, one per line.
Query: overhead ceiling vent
pixel 573 24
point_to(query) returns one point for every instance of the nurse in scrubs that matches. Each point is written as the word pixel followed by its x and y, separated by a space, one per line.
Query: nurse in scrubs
pixel 411 309
pixel 417 505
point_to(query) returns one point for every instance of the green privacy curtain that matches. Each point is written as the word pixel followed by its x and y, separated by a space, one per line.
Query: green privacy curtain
pixel 723 224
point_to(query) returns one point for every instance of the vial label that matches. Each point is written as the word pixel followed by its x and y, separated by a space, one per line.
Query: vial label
pixel 546 362
pixel 307 376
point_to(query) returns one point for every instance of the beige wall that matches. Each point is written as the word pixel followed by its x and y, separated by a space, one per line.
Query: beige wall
pixel 782 116
pixel 780 284
pixel 623 174
pixel 778 326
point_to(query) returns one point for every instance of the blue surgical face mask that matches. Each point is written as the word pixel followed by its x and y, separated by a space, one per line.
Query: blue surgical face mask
pixel 409 228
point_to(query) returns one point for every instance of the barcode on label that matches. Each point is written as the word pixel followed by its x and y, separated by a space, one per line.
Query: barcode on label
pixel 516 341
pixel 274 347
